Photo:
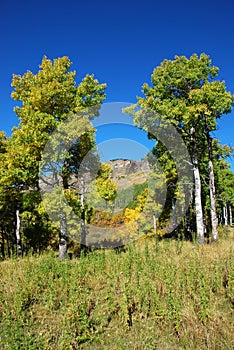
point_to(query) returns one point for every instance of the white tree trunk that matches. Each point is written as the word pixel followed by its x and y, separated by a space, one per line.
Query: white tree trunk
pixel 173 213
pixel 17 234
pixel 197 192
pixel 188 196
pixel 155 225
pixel 198 206
pixel 63 237
pixel 187 222
pixel 83 230
pixel 225 219
pixel 230 214
pixel 213 212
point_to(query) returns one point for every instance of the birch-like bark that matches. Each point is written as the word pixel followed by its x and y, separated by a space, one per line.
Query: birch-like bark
pixel 230 214
pixel 225 219
pixel 213 212
pixel 63 237
pixel 197 191
pixel 155 225
pixel 187 222
pixel 17 234
pixel 188 196
pixel 173 213
pixel 82 223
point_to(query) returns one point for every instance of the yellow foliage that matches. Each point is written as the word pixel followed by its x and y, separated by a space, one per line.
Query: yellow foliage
pixel 131 214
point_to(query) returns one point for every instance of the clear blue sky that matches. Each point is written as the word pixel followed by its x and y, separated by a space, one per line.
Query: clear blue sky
pixel 120 42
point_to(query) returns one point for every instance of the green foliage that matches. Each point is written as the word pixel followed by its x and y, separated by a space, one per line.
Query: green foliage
pixel 137 190
pixel 185 93
pixel 105 171
pixel 225 184
pixel 46 100
pixel 106 188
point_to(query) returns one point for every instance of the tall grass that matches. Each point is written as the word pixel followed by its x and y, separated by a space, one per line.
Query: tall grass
pixel 156 295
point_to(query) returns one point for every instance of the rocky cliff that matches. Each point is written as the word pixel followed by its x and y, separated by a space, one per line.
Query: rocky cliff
pixel 129 172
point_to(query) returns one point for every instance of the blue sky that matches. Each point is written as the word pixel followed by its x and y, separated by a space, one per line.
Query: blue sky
pixel 120 42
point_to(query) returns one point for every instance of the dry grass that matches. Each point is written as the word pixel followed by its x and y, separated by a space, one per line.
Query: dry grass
pixel 166 295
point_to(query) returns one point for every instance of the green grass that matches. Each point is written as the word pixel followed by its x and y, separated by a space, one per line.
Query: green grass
pixel 156 295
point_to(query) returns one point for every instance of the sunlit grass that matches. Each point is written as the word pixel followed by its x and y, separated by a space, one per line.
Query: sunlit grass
pixel 155 295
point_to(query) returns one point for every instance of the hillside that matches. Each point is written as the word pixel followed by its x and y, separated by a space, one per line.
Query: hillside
pixel 129 172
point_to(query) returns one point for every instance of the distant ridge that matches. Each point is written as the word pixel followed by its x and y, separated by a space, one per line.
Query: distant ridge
pixel 128 172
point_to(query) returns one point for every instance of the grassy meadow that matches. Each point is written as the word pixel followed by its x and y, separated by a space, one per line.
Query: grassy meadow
pixel 164 294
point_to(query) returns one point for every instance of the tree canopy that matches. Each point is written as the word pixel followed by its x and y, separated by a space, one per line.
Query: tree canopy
pixel 186 93
pixel 54 142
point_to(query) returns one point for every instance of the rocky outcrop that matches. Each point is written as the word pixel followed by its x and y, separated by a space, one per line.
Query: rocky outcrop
pixel 129 172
